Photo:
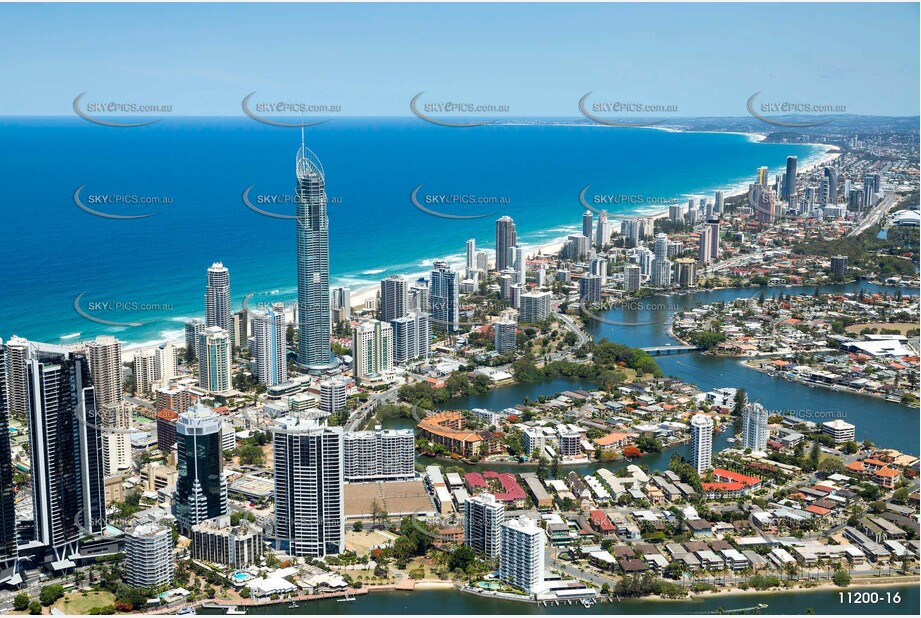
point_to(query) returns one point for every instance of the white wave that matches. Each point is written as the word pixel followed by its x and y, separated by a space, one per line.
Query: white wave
pixel 70 336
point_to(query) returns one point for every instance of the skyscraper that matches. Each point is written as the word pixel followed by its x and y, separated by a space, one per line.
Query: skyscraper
pixel 372 349
pixel 149 555
pixel 714 225
pixel 832 177
pixel 239 327
pixel 333 395
pixel 789 183
pixel 632 278
pixel 534 307
pixel 587 224
pixel 379 455
pixel 217 298
pixel 661 275
pixel 701 442
pixel 17 355
pixel 518 263
pixel 869 191
pixel 704 250
pixel 65 440
pixel 394 298
pixel 718 202
pixel 444 298
pixel 313 322
pixel 506 237
pixel 105 364
pixel 145 370
pixel 590 289
pixel 504 332
pixel 755 427
pixel 8 548
pixel 309 515
pixel 471 272
pixel 411 337
pixel 271 348
pixel 166 362
pixel 341 304
pixel 201 491
pixel 521 563
pixel 483 515
pixel 602 231
pixel 214 362
pixel 193 330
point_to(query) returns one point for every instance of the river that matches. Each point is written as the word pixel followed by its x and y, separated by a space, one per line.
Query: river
pixel 430 602
pixel 887 424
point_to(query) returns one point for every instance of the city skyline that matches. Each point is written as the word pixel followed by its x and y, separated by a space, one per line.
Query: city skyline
pixel 472 363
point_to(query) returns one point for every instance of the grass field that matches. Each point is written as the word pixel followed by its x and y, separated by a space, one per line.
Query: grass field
pixel 77 603
pixel 902 327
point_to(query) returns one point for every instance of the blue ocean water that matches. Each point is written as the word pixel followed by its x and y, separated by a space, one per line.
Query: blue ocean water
pixel 155 267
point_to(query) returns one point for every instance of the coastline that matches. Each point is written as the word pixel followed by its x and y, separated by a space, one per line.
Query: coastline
pixel 366 292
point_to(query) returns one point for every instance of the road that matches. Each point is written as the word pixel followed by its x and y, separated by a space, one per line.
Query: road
pixel 360 413
pixel 876 214
pixel 583 338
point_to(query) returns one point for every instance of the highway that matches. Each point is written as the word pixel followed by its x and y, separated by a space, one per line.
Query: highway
pixel 876 215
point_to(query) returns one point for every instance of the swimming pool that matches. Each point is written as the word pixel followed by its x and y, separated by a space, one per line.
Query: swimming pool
pixel 239 577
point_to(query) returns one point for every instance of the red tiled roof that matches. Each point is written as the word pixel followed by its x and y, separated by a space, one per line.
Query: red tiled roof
pixel 601 521
pixel 735 477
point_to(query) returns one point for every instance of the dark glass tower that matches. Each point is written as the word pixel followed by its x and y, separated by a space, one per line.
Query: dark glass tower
pixel 65 433
pixel 8 549
pixel 506 237
pixel 314 330
pixel 789 182
pixel 201 492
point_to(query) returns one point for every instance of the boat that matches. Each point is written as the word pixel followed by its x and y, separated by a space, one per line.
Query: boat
pixel 187 611
pixel 345 599
pixel 293 605
pixel 730 440
pixel 235 611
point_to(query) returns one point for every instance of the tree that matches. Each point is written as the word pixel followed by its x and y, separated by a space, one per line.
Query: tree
pixel 842 579
pixel 245 593
pixel 851 447
pixel 50 594
pixel 461 558
pixel 250 455
pixel 357 526
pixel 631 452
pixel 739 402
pixel 35 608
pixel 555 468
pixel 21 602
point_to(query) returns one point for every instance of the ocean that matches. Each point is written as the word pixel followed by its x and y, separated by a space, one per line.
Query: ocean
pixel 151 271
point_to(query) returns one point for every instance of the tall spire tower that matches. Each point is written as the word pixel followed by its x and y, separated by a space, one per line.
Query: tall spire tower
pixel 313 352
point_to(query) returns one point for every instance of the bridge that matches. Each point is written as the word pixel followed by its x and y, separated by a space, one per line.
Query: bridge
pixel 662 350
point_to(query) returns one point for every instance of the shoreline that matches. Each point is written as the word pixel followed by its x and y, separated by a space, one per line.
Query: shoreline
pixel 835 388
pixel 549 246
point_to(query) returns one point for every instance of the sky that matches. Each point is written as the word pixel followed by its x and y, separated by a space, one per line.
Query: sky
pixel 538 59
